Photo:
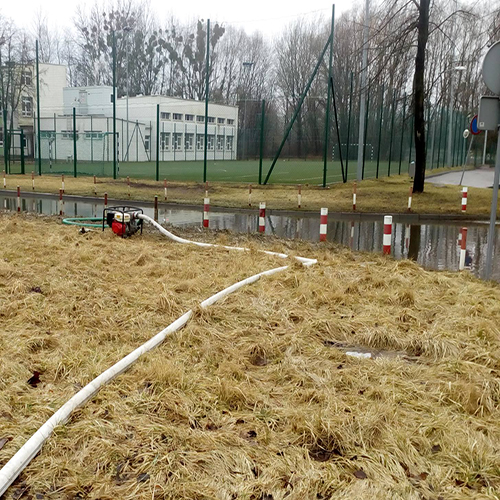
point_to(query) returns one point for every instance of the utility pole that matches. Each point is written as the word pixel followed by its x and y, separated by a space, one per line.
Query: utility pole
pixel 362 107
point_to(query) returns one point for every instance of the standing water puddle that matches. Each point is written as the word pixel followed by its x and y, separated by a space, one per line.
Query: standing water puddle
pixel 432 245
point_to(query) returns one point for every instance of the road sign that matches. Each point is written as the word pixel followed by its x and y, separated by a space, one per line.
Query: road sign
pixel 491 68
pixel 473 126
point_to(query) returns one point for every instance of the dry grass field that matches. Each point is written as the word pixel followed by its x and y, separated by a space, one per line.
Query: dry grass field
pixel 256 397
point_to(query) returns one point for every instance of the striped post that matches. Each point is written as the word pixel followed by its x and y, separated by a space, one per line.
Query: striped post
pixel 105 200
pixel 156 209
pixel 61 202
pixel 299 196
pixel 354 197
pixel 165 188
pixel 323 224
pixel 4 180
pixel 464 199
pixel 387 234
pixel 206 209
pixel 128 186
pixel 18 199
pixel 249 195
pixel 410 195
pixel 95 186
pixel 206 189
pixel 463 249
pixel 62 182
pixel 262 217
pixel 33 180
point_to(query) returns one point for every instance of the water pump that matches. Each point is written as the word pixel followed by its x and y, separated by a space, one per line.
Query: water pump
pixel 122 220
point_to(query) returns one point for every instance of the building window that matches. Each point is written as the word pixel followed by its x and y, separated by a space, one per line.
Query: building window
pixel 189 118
pixel 165 116
pixel 147 139
pixel 165 141
pixel 26 77
pixel 210 142
pixel 177 116
pixel 230 121
pixel 68 135
pixel 221 121
pixel 211 119
pixel 200 119
pixel 188 142
pixel 200 141
pixel 27 106
pixel 229 142
pixel 94 134
pixel 220 142
pixel 47 134
pixel 177 141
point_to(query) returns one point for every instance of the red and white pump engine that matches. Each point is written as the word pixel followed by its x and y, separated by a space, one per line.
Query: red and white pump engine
pixel 123 221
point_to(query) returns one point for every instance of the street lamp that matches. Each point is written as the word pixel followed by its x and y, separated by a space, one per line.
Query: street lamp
pixel 247 65
pixel 450 124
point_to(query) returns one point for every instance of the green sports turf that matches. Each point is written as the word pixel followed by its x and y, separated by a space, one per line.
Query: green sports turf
pixel 285 172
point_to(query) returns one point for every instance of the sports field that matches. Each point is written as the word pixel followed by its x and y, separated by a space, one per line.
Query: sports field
pixel 286 171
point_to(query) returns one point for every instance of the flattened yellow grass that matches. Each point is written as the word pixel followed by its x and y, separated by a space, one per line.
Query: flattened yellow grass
pixel 256 397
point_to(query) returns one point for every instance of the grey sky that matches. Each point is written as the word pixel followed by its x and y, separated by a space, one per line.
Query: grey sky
pixel 266 16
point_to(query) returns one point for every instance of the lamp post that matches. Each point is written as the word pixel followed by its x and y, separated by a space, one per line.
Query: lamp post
pixel 450 124
pixel 247 66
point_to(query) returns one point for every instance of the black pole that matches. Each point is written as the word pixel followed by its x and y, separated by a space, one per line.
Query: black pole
pixel 344 177
pixel 5 142
pixel 38 112
pixel 365 132
pixel 447 126
pixel 158 142
pixel 262 123
pixel 349 128
pixel 392 131
pixel 74 143
pixel 380 128
pixel 402 135
pixel 206 102
pixel 297 109
pixel 114 105
pixel 22 151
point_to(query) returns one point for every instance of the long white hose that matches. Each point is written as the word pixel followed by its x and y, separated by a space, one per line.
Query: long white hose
pixel 28 451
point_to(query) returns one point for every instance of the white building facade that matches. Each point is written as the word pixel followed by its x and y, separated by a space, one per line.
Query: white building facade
pixel 146 126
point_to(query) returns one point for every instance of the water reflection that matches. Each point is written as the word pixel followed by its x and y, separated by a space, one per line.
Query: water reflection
pixel 432 245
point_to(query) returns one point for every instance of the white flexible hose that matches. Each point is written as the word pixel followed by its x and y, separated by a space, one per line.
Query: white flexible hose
pixel 28 451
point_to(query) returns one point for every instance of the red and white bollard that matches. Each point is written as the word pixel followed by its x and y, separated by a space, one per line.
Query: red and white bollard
pixel 323 224
pixel 61 202
pixel 105 200
pixel 249 195
pixel 464 199
pixel 299 196
pixel 206 189
pixel 4 180
pixel 387 234
pixel 410 195
pixel 33 180
pixel 62 182
pixel 262 217
pixel 354 197
pixel 95 186
pixel 206 209
pixel 463 249
pixel 165 188
pixel 156 209
pixel 18 199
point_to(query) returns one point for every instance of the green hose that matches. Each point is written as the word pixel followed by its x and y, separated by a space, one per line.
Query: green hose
pixel 78 221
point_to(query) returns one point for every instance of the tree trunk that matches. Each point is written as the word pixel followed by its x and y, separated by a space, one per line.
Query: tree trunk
pixel 419 93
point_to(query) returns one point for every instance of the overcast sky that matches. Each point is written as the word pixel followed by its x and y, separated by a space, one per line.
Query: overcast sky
pixel 267 16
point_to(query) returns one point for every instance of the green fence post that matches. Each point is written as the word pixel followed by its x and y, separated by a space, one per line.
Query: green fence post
pixel 392 131
pixel 114 105
pixel 38 113
pixel 348 128
pixel 21 138
pixel 5 142
pixel 261 153
pixel 55 139
pixel 365 131
pixel 411 144
pixel 207 67
pixel 75 137
pixel 157 142
pixel 328 98
pixel 380 128
pixel 402 135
